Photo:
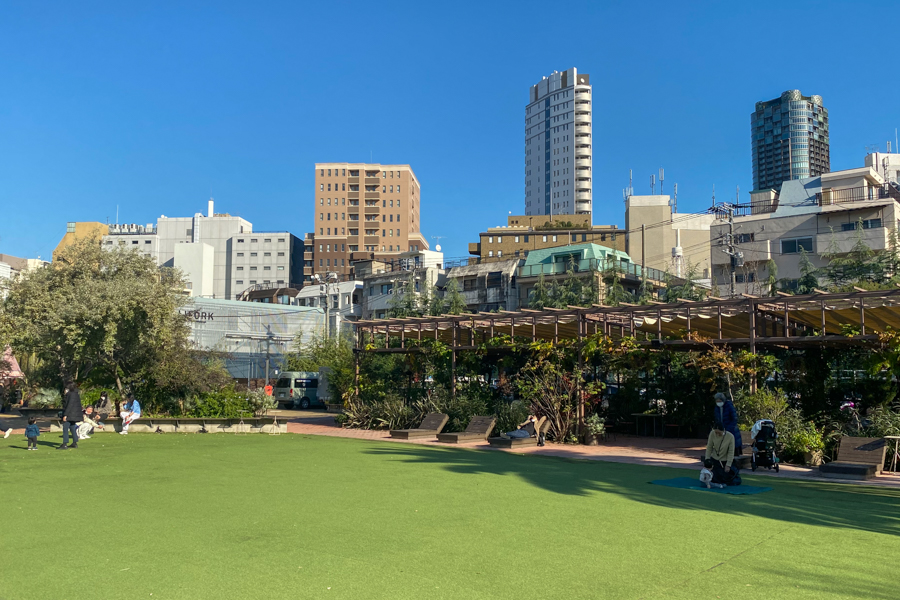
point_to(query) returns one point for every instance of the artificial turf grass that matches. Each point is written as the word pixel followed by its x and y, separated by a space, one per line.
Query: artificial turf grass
pixel 224 516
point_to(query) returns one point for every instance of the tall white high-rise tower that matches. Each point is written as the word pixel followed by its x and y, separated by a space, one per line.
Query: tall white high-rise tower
pixel 558 145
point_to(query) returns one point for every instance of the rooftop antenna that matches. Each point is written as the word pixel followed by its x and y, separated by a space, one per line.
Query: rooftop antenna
pixel 737 195
pixel 662 174
pixel 117 215
pixel 675 200
pixel 714 195
pixel 652 184
pixel 896 143
pixel 630 183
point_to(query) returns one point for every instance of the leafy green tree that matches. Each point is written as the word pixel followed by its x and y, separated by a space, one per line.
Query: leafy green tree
pixel 111 315
pixel 772 279
pixel 335 352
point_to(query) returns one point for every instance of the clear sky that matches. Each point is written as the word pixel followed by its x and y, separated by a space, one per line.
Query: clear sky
pixel 151 107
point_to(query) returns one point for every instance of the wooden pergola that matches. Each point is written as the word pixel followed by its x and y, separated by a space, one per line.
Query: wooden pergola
pixel 746 321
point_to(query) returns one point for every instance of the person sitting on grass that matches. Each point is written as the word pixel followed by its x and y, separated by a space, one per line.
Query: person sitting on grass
pixel 131 410
pixel 88 424
pixel 720 449
pixel 524 430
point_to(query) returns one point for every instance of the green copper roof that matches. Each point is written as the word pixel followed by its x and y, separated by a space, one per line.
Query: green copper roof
pixel 582 252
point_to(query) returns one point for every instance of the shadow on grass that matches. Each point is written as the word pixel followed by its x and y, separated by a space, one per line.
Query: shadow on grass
pixel 812 503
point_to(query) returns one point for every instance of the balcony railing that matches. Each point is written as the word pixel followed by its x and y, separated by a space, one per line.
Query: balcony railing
pixel 857 194
pixel 629 270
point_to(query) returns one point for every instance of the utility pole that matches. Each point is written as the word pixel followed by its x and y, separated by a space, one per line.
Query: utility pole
pixel 268 342
pixel 737 257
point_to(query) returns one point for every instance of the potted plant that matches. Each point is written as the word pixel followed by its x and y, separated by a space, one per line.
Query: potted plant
pixel 595 428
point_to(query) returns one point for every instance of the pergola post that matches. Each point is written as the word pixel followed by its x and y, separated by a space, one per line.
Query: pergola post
pixel 453 338
pixel 752 339
pixel 359 343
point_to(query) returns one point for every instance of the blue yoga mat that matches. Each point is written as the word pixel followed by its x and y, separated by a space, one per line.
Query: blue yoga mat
pixel 689 483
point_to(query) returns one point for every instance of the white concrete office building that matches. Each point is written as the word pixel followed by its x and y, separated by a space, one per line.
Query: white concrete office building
pixel 558 156
pixel 159 242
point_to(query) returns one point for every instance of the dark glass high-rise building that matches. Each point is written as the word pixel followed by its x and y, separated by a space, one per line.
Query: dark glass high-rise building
pixel 790 140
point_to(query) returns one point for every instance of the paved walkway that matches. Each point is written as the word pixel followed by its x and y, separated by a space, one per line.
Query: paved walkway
pixel 662 452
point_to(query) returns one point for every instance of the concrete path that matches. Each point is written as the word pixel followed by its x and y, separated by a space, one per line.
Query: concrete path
pixel 662 452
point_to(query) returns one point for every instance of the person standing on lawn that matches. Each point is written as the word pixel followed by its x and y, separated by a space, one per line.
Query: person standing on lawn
pixel 720 449
pixel 130 411
pixel 32 431
pixel 71 414
pixel 726 414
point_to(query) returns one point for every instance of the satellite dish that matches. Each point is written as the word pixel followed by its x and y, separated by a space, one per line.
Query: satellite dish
pixel 437 248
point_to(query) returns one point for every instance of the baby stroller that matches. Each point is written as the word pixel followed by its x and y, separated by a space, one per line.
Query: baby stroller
pixel 764 437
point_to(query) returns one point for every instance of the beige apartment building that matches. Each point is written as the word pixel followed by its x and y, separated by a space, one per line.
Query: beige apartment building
pixel 364 212
pixel 524 234
pixel 672 241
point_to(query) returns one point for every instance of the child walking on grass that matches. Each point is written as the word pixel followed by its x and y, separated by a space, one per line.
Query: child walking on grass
pixel 32 431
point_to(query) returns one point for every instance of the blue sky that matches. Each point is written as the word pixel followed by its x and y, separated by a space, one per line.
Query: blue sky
pixel 152 107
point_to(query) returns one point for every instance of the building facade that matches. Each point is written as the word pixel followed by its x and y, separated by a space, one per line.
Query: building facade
pixel 220 255
pixel 789 140
pixel 265 260
pixel 247 333
pixel 524 234
pixel 673 242
pixel 587 262
pixel 364 211
pixel 76 231
pixel 489 286
pixel 813 217
pixel 343 300
pixel 558 155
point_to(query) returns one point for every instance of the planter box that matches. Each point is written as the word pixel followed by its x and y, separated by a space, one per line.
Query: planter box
pixel 39 413
pixel 334 408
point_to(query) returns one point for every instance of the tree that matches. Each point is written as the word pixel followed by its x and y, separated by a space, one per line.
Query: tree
pixel 435 303
pixel 772 280
pixel 455 303
pixel 689 290
pixel 404 302
pixel 612 280
pixel 335 352
pixel 540 295
pixel 111 315
pixel 809 280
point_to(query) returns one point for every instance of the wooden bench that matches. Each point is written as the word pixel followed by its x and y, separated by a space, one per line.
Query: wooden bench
pixel 479 429
pixel 431 425
pixel 507 442
pixel 858 458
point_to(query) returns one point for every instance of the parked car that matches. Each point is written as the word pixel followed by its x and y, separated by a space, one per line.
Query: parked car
pixel 298 389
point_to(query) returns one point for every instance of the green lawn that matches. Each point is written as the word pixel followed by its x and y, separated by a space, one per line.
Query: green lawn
pixel 258 516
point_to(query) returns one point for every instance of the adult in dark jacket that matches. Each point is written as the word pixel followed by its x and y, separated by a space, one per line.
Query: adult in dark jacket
pixel 726 414
pixel 72 414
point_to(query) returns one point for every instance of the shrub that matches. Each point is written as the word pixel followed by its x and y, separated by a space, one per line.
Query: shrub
pixel 805 439
pixel 46 398
pixel 762 404
pixel 226 403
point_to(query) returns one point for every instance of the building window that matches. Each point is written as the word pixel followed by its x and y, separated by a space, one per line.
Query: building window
pixel 517 239
pixel 252 268
pixel 254 240
pixel 280 240
pixel 253 254
pixel 526 239
pixel 240 282
pixel 267 268
pixel 490 253
pixel 796 245
pixel 268 241
pixel 545 238
pixel 240 241
pixel 493 279
pixel 281 254
pixel 469 284
pixel 867 224
pixel 267 254
pixel 490 239
pixel 240 268
pixel 744 238
pixel 252 282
